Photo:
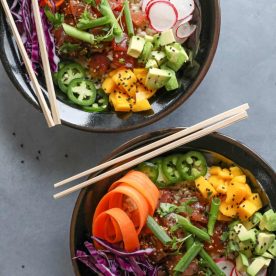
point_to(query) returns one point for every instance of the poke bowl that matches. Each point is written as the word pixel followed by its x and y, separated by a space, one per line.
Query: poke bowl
pixel 199 205
pixel 116 65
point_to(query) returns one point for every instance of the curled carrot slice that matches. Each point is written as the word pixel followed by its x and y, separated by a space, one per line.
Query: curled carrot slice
pixel 140 182
pixel 114 199
pixel 122 226
pixel 122 212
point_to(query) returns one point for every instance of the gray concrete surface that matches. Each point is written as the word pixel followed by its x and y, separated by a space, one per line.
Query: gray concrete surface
pixel 34 229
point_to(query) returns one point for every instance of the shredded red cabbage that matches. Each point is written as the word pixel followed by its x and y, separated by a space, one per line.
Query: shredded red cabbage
pixel 113 262
pixel 23 15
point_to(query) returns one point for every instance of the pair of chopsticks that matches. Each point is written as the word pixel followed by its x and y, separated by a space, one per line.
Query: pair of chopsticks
pixel 161 146
pixel 54 118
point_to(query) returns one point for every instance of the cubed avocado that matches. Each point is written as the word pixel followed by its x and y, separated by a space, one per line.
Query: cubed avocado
pixel 151 64
pixel 156 41
pixel 233 224
pixel 241 232
pixel 146 52
pixel 159 56
pixel 268 255
pixel 264 241
pixel 176 56
pixel 157 78
pixel 136 46
pixel 268 221
pixel 149 38
pixel 253 221
pixel 172 84
pixel 167 37
pixel 246 245
pixel 257 265
pixel 272 248
pixel 242 262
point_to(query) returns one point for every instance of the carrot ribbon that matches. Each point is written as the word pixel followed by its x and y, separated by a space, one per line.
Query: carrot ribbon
pixel 122 212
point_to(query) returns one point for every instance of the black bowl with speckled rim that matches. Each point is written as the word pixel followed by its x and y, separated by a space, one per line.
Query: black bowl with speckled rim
pixel 217 147
pixel 162 104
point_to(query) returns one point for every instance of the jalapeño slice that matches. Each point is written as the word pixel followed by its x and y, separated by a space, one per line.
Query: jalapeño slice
pixel 68 73
pixel 192 165
pixel 100 104
pixel 150 169
pixel 82 92
pixel 169 168
pixel 162 181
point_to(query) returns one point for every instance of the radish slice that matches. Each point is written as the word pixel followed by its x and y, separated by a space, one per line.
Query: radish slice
pixel 187 19
pixel 185 30
pixel 145 4
pixel 226 266
pixel 179 22
pixel 184 7
pixel 162 15
pixel 238 273
pixel 234 272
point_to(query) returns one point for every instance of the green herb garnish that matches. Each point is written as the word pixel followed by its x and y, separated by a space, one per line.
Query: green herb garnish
pixel 56 19
pixel 68 47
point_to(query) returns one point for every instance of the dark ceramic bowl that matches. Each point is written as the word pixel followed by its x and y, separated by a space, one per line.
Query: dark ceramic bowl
pixel 162 104
pixel 217 148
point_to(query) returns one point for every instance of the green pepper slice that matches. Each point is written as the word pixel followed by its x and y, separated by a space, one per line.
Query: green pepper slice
pixel 169 167
pixel 192 165
pixel 162 181
pixel 82 92
pixel 100 104
pixel 68 73
pixel 150 169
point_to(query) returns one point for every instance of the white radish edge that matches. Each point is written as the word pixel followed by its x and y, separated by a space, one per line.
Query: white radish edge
pixel 151 2
pixel 183 7
pixel 145 4
pixel 234 272
pixel 185 25
pixel 163 2
pixel 179 22
pixel 221 263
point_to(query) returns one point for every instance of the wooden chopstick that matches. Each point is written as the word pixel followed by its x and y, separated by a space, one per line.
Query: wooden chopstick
pixel 156 144
pixel 28 65
pixel 196 135
pixel 45 63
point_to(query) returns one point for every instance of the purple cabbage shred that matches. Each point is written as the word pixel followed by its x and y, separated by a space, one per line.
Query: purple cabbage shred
pixel 114 262
pixel 23 15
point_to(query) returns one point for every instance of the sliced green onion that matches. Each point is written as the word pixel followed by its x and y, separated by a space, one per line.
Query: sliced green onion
pixel 186 224
pixel 81 35
pixel 158 231
pixel 106 10
pixel 128 19
pixel 205 256
pixel 188 257
pixel 213 215
pixel 189 242
pixel 209 261
pixel 93 23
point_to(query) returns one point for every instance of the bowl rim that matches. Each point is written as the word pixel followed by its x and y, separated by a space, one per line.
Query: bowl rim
pixel 136 140
pixel 192 88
